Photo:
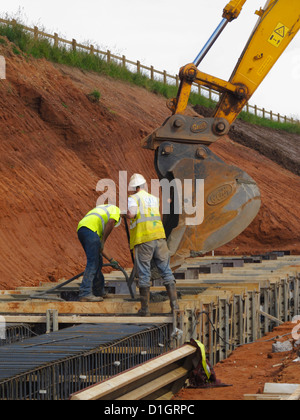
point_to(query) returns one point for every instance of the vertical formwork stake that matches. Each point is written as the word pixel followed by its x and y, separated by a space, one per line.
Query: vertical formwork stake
pixel 51 320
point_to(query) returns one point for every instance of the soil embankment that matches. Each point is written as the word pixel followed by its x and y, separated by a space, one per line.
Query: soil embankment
pixel 55 145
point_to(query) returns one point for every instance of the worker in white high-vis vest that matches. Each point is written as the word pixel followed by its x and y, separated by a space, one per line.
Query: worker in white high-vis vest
pixel 148 239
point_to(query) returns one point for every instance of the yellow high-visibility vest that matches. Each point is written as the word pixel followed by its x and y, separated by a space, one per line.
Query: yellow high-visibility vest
pixel 97 218
pixel 147 225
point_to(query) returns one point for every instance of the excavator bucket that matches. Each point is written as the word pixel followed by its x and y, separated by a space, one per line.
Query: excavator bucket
pixel 225 198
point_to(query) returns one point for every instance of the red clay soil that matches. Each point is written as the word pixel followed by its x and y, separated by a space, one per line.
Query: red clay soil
pixel 249 367
pixel 55 145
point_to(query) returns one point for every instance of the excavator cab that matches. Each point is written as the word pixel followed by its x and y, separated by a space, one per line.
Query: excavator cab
pixel 229 197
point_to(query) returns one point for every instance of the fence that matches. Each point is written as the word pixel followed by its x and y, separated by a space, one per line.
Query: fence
pixel 152 72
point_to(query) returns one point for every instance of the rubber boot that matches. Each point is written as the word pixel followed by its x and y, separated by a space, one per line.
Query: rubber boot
pixel 172 294
pixel 145 298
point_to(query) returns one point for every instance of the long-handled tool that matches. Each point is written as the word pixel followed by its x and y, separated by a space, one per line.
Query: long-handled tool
pixel 53 289
pixel 133 272
pixel 59 286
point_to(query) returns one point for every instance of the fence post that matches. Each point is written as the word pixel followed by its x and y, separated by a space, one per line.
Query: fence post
pixel 271 115
pixel 74 44
pixel 177 82
pixel 124 61
pixel 92 49
pixel 138 67
pixel 108 56
pixel 55 39
pixel 165 77
pixel 152 73
pixel 36 33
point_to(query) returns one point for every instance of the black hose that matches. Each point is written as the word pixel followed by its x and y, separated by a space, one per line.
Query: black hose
pixel 59 286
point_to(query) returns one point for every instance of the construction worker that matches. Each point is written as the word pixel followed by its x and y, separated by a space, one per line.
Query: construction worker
pixel 93 231
pixel 148 239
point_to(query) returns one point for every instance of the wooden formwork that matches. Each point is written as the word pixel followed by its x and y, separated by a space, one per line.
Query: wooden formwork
pixel 222 308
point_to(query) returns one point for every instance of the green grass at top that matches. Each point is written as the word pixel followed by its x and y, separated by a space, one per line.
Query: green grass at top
pixel 266 122
pixel 42 48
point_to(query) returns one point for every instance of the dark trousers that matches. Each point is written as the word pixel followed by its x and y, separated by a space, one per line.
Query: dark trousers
pixel 93 279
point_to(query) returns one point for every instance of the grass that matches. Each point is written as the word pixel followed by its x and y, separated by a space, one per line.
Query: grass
pixel 266 122
pixel 94 96
pixel 42 48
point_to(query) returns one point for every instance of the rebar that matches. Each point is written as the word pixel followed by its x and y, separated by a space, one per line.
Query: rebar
pixel 55 365
pixel 15 333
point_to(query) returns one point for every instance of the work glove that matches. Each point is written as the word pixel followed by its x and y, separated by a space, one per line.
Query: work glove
pixel 114 263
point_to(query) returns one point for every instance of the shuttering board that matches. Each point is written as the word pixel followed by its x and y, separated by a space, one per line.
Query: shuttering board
pixel 222 309
pixel 143 381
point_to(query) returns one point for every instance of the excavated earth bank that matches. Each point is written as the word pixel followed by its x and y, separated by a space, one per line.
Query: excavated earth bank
pixel 55 145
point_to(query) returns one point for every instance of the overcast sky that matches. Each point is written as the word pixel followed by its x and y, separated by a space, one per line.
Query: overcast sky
pixel 167 34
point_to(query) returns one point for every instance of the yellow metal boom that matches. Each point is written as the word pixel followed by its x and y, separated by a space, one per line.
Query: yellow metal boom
pixel 277 25
pixel 231 198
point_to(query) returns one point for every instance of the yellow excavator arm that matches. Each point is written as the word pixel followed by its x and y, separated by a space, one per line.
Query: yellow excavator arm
pixel 278 23
pixel 230 198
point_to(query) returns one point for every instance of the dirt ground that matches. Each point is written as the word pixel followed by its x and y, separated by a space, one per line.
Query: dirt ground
pixel 55 145
pixel 250 366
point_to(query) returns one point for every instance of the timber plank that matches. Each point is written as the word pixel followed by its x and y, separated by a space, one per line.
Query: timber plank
pixel 155 385
pixel 79 319
pixel 108 306
pixel 103 389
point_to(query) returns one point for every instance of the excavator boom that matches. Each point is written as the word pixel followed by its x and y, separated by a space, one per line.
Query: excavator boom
pixel 231 198
pixel 278 23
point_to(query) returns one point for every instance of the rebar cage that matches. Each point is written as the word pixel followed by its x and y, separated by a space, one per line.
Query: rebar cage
pixel 15 333
pixel 53 376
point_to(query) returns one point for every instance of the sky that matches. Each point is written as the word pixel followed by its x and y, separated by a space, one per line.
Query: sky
pixel 167 34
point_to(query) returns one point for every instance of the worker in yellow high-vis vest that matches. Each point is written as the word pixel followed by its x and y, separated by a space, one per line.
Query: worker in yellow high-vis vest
pixel 148 239
pixel 93 231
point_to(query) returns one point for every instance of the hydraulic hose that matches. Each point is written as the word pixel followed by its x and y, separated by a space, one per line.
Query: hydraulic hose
pixel 59 286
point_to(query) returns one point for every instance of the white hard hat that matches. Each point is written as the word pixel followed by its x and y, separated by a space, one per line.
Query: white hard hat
pixel 136 181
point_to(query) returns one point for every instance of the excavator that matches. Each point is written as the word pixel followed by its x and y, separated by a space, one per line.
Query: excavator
pixel 231 198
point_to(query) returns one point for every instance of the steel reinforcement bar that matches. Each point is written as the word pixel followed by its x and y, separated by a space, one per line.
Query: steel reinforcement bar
pixel 15 333
pixel 54 366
